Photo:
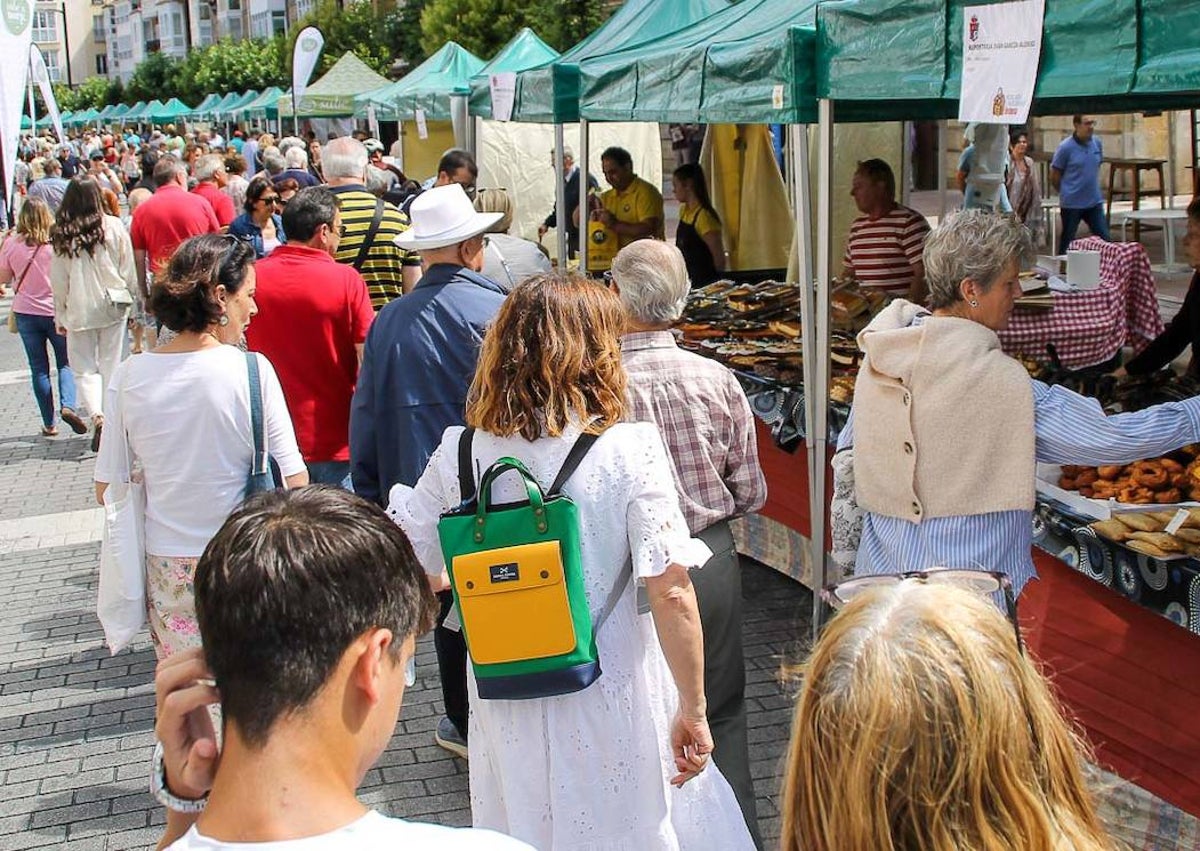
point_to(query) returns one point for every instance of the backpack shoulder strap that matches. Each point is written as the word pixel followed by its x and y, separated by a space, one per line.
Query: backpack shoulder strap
pixel 580 448
pixel 466 476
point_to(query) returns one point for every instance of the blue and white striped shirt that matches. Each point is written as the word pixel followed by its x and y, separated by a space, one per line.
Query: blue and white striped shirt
pixel 1070 429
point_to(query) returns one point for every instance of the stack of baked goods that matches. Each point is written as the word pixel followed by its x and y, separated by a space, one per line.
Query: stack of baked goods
pixel 1163 481
pixel 1148 532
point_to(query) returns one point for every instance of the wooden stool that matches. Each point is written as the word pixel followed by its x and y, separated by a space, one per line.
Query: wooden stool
pixel 1135 166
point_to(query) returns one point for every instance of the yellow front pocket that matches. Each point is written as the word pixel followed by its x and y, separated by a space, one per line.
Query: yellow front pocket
pixel 513 602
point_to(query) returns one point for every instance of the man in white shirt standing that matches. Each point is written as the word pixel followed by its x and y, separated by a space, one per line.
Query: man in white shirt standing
pixel 309 603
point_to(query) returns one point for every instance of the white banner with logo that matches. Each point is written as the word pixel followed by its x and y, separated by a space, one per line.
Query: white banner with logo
pixel 504 91
pixel 309 44
pixel 16 19
pixel 41 76
pixel 1002 44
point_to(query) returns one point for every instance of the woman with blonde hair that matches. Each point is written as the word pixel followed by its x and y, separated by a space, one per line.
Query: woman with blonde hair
pixel 920 725
pixel 25 263
pixel 594 768
pixel 92 275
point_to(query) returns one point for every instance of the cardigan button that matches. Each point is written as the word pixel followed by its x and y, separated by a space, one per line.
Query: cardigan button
pixel 917 509
pixel 908 448
pixel 907 399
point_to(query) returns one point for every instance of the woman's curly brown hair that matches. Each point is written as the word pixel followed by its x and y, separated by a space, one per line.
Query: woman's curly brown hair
pixel 79 222
pixel 552 357
pixel 185 297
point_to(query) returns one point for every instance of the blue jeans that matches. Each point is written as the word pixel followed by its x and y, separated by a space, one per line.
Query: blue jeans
pixel 36 332
pixel 330 473
pixel 1094 216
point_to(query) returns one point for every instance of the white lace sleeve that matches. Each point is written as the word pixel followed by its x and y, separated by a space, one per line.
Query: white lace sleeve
pixel 416 510
pixel 658 534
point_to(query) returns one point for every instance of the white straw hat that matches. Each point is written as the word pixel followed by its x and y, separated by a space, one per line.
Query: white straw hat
pixel 442 216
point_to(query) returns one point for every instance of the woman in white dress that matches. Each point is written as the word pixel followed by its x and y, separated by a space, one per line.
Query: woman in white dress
pixel 623 764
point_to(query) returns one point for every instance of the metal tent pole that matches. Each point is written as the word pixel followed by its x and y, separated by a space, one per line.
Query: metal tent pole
pixel 560 197
pixel 818 427
pixel 582 165
pixel 941 169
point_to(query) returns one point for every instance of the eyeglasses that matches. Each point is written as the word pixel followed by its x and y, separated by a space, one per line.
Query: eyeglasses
pixel 271 199
pixel 341 230
pixel 983 582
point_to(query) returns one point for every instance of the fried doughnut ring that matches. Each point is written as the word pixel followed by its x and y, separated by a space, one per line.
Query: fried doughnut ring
pixel 1110 472
pixel 1071 469
pixel 1087 476
pixel 1067 483
pixel 1170 465
pixel 1179 479
pixel 1168 496
pixel 1149 475
pixel 1086 491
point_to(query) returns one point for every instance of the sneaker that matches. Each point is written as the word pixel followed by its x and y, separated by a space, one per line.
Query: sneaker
pixel 448 737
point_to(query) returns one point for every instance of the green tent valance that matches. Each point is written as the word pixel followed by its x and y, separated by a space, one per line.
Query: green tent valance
pixel 427 87
pixel 524 51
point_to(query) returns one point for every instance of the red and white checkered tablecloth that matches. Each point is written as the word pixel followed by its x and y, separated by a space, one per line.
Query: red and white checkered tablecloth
pixel 1089 328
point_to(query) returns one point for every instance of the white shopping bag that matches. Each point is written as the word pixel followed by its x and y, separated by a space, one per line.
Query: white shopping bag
pixel 121 602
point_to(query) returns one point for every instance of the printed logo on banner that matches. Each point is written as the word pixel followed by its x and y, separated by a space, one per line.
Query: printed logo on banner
pixel 1001 50
pixel 308 44
pixel 974 28
pixel 17 15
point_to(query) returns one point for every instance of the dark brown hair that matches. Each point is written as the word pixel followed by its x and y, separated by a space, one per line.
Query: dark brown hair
pixel 79 223
pixel 552 357
pixel 184 299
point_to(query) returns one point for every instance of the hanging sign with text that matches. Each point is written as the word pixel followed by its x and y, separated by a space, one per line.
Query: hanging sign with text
pixel 1002 44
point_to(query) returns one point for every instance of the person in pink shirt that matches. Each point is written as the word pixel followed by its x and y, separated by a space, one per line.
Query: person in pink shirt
pixel 25 265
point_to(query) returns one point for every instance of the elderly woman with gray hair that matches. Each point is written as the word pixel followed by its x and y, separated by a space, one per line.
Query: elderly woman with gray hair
pixel 946 430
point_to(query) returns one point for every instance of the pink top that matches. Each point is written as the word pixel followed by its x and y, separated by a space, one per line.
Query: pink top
pixel 35 297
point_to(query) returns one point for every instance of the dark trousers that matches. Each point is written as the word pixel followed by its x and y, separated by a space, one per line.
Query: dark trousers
pixel 451 650
pixel 719 595
pixel 1071 217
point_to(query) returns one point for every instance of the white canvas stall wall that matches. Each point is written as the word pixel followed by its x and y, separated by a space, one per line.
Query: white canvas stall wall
pixel 516 156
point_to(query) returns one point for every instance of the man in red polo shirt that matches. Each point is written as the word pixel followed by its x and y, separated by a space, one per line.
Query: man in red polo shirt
pixel 312 321
pixel 210 180
pixel 167 218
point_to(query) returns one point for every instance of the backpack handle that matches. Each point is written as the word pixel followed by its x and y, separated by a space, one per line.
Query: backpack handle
pixel 537 500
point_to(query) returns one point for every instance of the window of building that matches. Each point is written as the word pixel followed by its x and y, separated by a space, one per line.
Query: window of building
pixel 303 7
pixel 45 27
pixel 99 33
pixel 102 65
pixel 233 27
pixel 53 69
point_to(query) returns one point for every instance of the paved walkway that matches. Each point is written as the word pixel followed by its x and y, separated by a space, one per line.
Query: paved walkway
pixel 76 725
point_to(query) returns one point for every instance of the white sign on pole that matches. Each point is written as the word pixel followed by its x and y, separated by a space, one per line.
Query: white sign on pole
pixel 16 19
pixel 504 93
pixel 422 127
pixel 1002 44
pixel 372 120
pixel 41 76
pixel 309 44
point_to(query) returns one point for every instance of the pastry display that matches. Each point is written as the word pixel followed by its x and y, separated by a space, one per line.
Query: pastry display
pixel 1162 481
pixel 1147 532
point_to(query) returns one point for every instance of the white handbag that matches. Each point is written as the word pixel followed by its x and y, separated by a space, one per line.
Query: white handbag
pixel 121 602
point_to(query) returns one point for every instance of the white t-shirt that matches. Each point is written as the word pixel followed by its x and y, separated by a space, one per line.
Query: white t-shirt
pixel 372 831
pixel 188 420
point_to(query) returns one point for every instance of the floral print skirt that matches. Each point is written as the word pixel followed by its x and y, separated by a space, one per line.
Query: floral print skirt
pixel 170 604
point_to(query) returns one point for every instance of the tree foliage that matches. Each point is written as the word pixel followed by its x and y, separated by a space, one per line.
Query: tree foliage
pixel 372 34
pixel 484 26
pixel 156 76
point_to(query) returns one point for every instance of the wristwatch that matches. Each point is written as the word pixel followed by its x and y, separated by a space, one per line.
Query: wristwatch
pixel 162 792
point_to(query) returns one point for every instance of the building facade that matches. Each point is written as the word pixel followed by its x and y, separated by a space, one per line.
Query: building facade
pixel 73 38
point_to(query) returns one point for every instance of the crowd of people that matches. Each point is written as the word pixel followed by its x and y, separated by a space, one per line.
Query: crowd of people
pixel 388 342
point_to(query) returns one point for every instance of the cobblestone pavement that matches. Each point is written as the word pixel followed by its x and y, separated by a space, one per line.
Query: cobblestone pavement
pixel 76 724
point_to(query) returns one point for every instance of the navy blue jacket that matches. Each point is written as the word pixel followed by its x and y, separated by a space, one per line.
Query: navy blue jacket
pixel 418 363
pixel 245 227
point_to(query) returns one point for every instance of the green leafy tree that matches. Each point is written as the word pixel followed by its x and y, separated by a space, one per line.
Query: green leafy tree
pixel 116 91
pixel 231 66
pixel 156 76
pixel 91 92
pixel 484 26
pixel 370 33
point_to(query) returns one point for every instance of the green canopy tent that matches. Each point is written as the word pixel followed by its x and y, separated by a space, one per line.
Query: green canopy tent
pixel 332 96
pixel 205 107
pixel 428 87
pixel 105 112
pixel 550 94
pixel 258 106
pixel 233 110
pixel 85 117
pixel 221 108
pixel 135 112
pixel 171 111
pixel 747 63
pixel 119 112
pixel 524 51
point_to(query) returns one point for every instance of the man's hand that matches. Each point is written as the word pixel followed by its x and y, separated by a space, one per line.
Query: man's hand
pixel 691 744
pixel 183 691
pixel 542 229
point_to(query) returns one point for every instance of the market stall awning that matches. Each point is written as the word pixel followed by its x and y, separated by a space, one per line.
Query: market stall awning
pixel 550 94
pixel 902 59
pixel 427 87
pixel 333 95
pixel 173 110
pixel 85 117
pixel 523 52
pixel 119 111
pixel 134 114
pixel 205 107
pixel 221 107
pixel 747 63
pixel 235 109
pixel 260 104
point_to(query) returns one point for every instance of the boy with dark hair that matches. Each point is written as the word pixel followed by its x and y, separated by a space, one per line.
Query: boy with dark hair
pixel 309 603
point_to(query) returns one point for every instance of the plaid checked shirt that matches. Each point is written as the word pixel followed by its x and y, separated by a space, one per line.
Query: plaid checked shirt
pixel 705 421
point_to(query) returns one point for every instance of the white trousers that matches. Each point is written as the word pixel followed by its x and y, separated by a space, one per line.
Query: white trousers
pixel 94 355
